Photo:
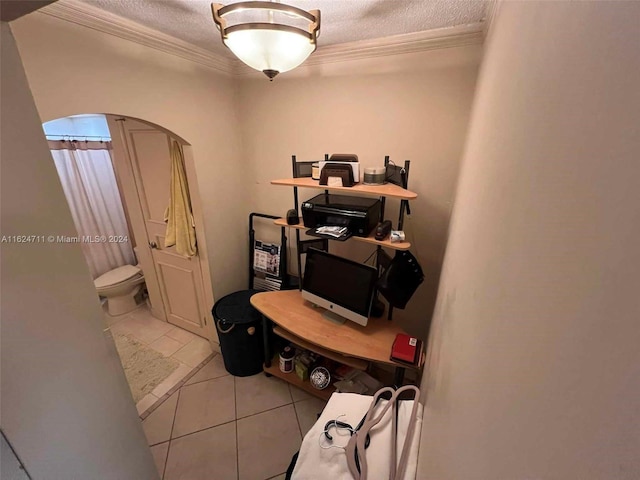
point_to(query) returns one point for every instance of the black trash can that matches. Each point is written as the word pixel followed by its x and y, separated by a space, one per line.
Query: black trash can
pixel 239 328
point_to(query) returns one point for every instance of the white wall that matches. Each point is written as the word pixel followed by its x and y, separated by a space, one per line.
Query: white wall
pixel 411 106
pixel 75 70
pixel 534 358
pixel 66 406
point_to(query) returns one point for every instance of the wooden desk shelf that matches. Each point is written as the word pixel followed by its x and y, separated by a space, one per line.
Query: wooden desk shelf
pixel 386 190
pixel 294 380
pixel 282 222
pixel 296 320
pixel 356 363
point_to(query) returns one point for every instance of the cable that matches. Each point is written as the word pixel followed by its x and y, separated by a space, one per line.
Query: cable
pixel 369 257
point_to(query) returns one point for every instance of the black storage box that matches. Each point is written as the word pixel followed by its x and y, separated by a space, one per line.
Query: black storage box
pixel 239 328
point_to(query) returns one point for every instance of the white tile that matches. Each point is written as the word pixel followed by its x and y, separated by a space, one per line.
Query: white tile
pixel 266 443
pixel 157 426
pixel 142 325
pixel 166 346
pixel 120 328
pixel 307 412
pixel 148 400
pixel 171 381
pixel 258 393
pixel 113 320
pixel 213 369
pixel 181 335
pixel 298 394
pixel 210 454
pixel 159 453
pixel 194 352
pixel 205 404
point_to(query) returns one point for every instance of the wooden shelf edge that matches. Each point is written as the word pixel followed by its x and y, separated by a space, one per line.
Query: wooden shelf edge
pixel 356 363
pixel 293 379
pixel 386 190
pixel 282 222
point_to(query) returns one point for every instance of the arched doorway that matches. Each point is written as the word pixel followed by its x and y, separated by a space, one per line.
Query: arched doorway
pixel 179 287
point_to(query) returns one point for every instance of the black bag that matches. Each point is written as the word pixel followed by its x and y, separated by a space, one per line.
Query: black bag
pixel 401 279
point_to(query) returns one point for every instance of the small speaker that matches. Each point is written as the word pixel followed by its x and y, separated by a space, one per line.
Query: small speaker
pixel 292 217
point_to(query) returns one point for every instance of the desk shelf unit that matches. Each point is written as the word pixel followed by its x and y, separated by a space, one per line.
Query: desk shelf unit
pixel 302 179
pixel 297 321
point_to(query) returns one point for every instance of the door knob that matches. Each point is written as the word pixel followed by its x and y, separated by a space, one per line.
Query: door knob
pixel 153 245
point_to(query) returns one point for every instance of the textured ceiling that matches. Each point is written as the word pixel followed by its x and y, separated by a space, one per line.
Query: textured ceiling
pixel 342 20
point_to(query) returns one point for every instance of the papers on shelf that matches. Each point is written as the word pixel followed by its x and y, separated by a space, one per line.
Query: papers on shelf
pixel 333 231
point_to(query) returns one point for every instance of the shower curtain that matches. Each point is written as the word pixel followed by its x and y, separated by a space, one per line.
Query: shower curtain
pixel 89 183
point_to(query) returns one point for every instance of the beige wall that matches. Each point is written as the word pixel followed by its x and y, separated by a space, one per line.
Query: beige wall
pixel 412 106
pixel 73 70
pixel 66 406
pixel 534 363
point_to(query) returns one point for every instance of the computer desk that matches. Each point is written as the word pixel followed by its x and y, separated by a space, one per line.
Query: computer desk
pixel 298 321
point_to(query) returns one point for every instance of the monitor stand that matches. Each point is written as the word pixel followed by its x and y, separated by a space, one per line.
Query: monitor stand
pixel 334 317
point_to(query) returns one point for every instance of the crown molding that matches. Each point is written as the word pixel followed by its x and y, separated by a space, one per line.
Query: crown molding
pixel 462 35
pixel 490 15
pixel 398 44
pixel 96 19
pixel 105 22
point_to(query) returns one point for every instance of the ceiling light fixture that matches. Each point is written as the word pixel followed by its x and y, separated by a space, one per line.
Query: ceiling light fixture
pixel 268 36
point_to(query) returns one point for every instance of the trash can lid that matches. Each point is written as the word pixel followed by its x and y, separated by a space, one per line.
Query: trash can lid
pixel 236 308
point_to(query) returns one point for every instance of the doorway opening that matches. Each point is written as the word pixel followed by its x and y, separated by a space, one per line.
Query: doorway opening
pixel 117 174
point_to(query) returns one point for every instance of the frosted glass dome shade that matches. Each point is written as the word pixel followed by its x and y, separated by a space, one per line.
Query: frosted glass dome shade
pixel 268 36
pixel 270 49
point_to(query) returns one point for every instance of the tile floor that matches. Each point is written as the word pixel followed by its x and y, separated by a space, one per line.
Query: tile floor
pixel 217 426
pixel 174 342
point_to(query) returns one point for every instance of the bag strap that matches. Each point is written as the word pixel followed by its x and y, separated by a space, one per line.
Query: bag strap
pixel 355 449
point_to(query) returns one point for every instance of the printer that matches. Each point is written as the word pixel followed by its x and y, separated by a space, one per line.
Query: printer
pixel 359 215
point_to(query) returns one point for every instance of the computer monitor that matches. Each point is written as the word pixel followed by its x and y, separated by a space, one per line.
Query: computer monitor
pixel 343 287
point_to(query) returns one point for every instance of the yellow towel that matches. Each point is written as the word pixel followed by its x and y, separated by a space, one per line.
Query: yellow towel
pixel 181 230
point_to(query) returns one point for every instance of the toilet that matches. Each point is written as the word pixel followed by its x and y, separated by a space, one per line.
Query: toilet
pixel 120 286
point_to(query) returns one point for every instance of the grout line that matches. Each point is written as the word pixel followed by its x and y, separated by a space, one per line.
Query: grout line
pixel 290 393
pixel 164 470
pixel 295 411
pixel 175 414
pixel 202 430
pixel 225 423
pixel 166 459
pixel 264 411
pixel 176 387
pixel 206 380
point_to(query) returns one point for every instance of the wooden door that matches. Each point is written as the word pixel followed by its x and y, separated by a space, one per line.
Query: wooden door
pixel 143 159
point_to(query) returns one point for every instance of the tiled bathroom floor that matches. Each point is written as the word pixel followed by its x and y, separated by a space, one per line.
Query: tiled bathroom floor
pixel 174 342
pixel 230 428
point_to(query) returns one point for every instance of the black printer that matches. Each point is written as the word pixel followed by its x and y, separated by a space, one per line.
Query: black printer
pixel 359 215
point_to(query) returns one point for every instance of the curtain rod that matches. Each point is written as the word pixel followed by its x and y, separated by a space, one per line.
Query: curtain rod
pixel 71 137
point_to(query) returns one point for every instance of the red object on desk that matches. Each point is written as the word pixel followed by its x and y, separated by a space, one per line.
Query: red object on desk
pixel 406 349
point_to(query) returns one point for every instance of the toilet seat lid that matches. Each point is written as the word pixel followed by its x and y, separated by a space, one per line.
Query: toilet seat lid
pixel 117 275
